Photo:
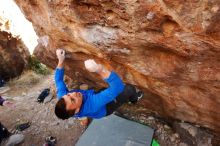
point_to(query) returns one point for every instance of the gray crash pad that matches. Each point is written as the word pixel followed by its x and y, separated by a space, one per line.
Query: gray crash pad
pixel 116 131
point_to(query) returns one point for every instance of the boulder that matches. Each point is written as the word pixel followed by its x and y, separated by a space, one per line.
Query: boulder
pixel 168 48
pixel 14 55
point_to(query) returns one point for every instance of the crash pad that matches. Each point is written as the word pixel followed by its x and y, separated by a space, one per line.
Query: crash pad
pixel 116 131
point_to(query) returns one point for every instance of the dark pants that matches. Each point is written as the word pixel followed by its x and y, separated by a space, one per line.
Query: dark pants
pixel 3 133
pixel 128 95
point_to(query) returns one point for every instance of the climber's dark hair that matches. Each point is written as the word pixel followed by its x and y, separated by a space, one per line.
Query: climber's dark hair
pixel 61 112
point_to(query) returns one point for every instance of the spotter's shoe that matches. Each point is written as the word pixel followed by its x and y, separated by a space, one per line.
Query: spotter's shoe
pixel 15 139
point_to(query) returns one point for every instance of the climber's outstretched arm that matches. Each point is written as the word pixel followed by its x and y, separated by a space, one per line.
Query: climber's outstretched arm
pixel 59 74
pixel 116 86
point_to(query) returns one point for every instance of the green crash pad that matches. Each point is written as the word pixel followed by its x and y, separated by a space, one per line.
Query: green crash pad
pixel 155 143
pixel 116 131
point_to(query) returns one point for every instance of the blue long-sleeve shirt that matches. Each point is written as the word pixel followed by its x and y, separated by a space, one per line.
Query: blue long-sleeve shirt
pixel 93 104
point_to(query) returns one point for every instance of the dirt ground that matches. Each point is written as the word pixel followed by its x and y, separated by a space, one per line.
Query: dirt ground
pixel 24 92
pixel 44 123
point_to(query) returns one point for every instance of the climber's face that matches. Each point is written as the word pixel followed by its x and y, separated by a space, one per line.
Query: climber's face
pixel 73 101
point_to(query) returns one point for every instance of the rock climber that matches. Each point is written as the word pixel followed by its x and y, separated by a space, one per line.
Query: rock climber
pixel 89 103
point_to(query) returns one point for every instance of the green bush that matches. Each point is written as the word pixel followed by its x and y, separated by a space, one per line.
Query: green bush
pixel 35 65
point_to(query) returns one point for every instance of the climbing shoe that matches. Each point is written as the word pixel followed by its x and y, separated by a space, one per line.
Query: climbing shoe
pixel 50 141
pixel 21 127
pixel 43 95
pixel 140 94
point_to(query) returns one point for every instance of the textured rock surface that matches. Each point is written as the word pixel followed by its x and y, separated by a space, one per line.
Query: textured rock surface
pixel 13 55
pixel 168 48
pixel 192 135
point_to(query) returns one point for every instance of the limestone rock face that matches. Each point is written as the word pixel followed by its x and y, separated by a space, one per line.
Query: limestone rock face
pixel 168 48
pixel 13 55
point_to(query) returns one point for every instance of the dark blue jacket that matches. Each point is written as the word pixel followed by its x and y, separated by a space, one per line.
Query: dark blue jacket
pixel 93 104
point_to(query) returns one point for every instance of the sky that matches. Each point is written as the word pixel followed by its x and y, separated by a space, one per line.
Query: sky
pixel 19 25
